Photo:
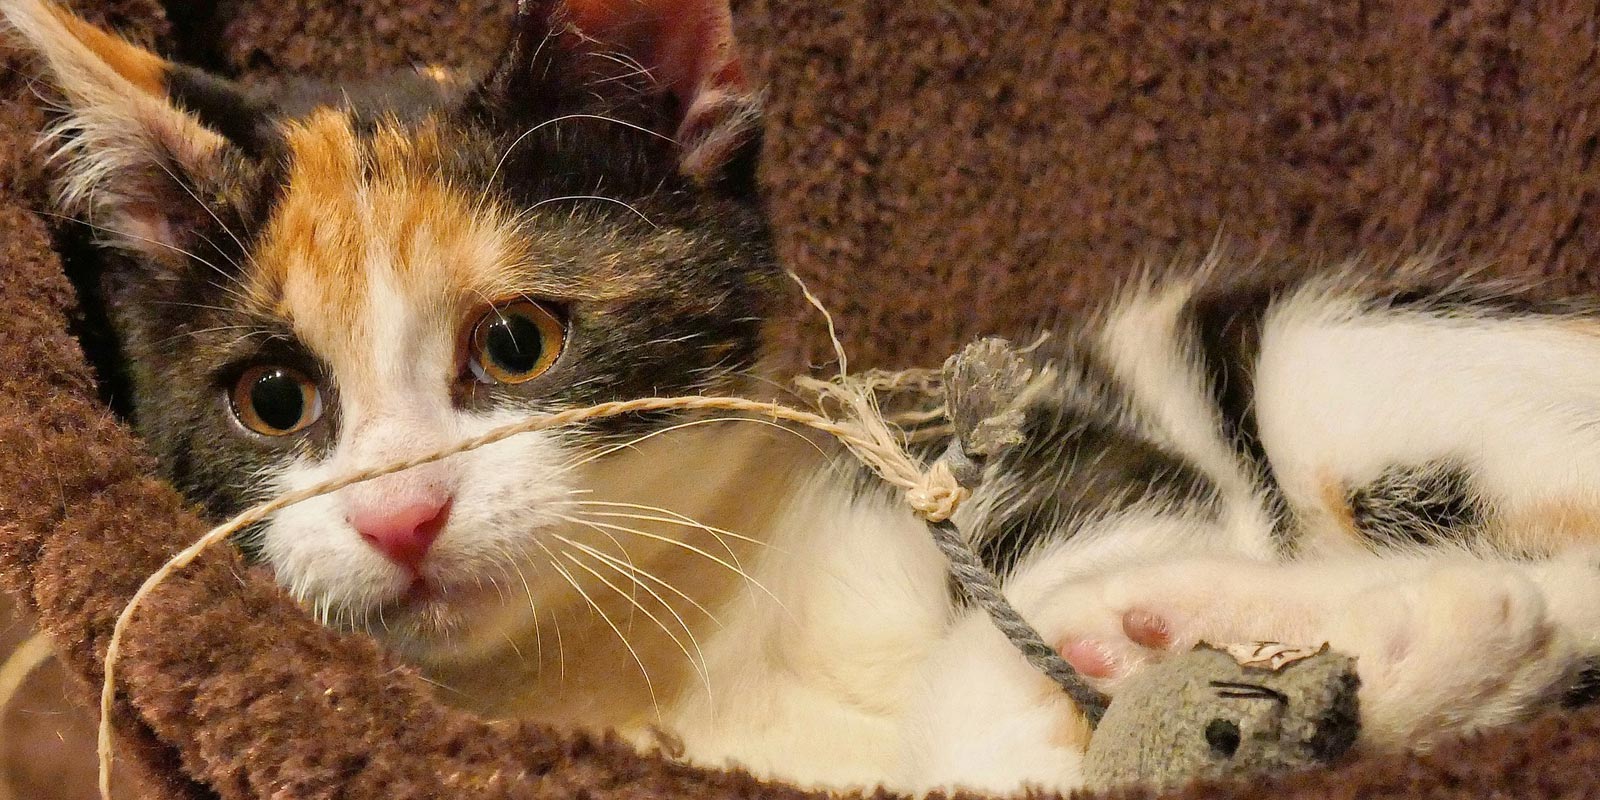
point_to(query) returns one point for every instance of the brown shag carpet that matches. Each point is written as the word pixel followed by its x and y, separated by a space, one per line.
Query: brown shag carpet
pixel 935 170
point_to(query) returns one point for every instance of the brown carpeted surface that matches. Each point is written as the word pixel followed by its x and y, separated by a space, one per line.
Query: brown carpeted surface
pixel 935 170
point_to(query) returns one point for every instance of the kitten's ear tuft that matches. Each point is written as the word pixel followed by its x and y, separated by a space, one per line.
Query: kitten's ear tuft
pixel 128 155
pixel 685 48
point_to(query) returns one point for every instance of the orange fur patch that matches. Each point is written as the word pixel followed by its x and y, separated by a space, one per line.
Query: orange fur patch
pixel 140 67
pixel 1550 525
pixel 357 214
pixel 1335 499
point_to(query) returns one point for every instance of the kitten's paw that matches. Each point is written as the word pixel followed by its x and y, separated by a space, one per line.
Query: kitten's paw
pixel 1108 656
pixel 1441 649
pixel 1110 626
pixel 1459 648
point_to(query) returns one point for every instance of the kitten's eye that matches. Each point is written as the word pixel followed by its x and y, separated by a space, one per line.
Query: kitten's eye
pixel 276 401
pixel 514 342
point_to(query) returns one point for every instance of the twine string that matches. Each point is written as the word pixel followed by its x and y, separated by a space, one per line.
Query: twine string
pixel 988 387
pixel 983 589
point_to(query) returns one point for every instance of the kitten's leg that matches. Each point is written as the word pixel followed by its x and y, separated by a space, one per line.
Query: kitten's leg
pixel 1443 645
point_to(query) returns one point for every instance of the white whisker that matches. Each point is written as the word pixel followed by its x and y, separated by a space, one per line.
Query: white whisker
pixel 235 293
pixel 648 683
pixel 186 190
pixel 646 573
pixel 699 665
pixel 514 648
pixel 680 426
pixel 535 129
pixel 533 606
pixel 632 573
pixel 561 648
pixel 674 518
pixel 750 580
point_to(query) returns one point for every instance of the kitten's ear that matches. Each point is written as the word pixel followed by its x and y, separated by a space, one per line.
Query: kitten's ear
pixel 685 48
pixel 688 48
pixel 130 157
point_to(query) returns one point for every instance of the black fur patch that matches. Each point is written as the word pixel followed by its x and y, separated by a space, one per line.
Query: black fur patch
pixel 1227 328
pixel 1586 689
pixel 225 107
pixel 1428 504
pixel 1079 463
pixel 1227 331
pixel 1495 301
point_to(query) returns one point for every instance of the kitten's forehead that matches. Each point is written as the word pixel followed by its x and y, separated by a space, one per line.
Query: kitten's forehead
pixel 369 217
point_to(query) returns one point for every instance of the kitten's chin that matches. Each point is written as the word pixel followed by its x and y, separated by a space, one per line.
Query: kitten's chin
pixel 431 625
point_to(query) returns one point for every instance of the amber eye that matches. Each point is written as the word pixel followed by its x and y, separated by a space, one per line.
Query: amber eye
pixel 276 401
pixel 514 342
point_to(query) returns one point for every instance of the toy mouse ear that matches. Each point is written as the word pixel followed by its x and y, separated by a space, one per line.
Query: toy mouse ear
pixel 683 48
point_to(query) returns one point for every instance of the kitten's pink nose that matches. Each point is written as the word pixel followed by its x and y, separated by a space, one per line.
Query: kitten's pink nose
pixel 405 531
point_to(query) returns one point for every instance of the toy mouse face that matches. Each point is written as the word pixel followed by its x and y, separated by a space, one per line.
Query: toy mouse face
pixel 1215 713
pixel 1254 723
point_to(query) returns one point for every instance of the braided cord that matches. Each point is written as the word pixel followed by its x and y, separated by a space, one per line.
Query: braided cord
pixel 983 589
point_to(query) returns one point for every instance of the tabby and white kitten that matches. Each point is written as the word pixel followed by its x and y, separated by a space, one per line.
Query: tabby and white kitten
pixel 305 288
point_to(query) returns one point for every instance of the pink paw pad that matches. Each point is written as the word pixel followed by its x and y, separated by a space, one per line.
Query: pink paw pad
pixel 1091 659
pixel 1147 629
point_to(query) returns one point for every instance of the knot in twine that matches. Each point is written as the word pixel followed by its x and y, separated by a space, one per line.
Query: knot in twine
pixel 937 495
pixel 934 493
pixel 987 387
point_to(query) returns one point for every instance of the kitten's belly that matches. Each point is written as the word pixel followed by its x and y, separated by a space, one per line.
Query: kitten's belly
pixel 778 721
pixel 876 680
pixel 769 722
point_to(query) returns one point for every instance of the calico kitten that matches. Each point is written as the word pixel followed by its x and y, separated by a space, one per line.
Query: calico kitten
pixel 306 288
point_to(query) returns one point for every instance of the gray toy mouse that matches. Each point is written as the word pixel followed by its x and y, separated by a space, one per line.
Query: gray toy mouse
pixel 1216 712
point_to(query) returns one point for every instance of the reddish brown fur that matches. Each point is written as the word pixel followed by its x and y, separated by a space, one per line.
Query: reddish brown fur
pixel 1335 497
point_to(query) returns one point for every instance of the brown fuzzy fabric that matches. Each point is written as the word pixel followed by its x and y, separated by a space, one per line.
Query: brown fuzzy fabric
pixel 935 170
